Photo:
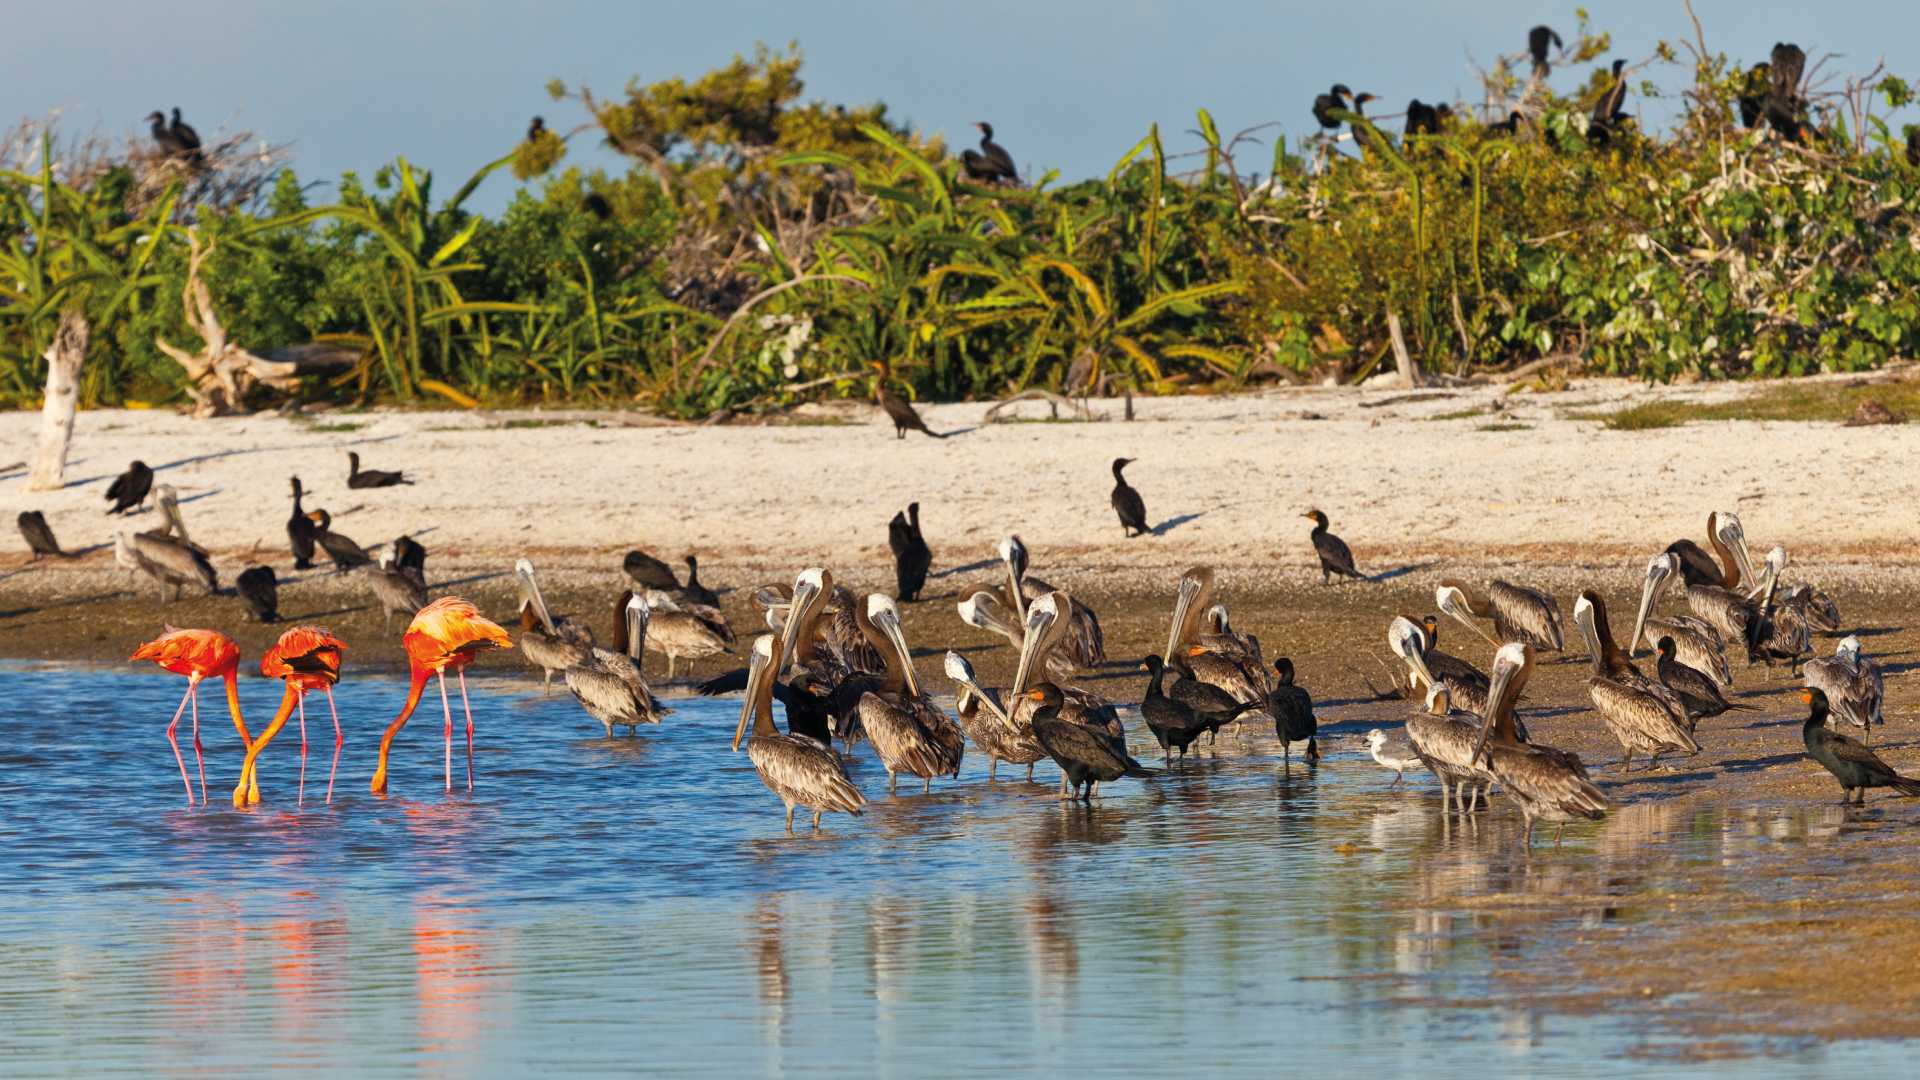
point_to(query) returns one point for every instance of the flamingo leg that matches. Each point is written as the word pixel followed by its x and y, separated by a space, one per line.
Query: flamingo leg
pixel 447 732
pixel 199 761
pixel 301 798
pixel 339 740
pixel 467 709
pixel 174 741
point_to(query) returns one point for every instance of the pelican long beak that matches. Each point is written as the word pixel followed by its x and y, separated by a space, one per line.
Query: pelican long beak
pixel 886 619
pixel 1409 644
pixel 1734 536
pixel 523 570
pixel 1453 604
pixel 638 615
pixel 1013 555
pixel 1658 571
pixel 759 675
pixel 807 588
pixel 1508 664
pixel 1041 616
pixel 1775 564
pixel 1183 602
pixel 961 674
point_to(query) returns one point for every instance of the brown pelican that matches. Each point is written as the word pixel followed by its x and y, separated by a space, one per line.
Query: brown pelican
pixel 550 644
pixel 259 588
pixel 173 561
pixel 371 478
pixel 398 591
pixel 678 633
pixel 1127 502
pixel 1220 658
pixel 1518 613
pixel 341 549
pixel 909 733
pixel 1441 735
pixel 1543 782
pixel 129 490
pixel 819 690
pixel 987 723
pixel 1046 627
pixel 39 535
pixel 1335 556
pixel 1465 684
pixel 1643 716
pixel 609 684
pixel 1784 631
pixel 1086 758
pixel 983 610
pixel 1712 598
pixel 800 770
pixel 1086 646
pixel 1852 684
pixel 911 556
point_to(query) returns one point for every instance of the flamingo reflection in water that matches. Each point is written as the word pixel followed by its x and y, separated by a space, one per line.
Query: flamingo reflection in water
pixel 447 633
pixel 199 655
pixel 307 658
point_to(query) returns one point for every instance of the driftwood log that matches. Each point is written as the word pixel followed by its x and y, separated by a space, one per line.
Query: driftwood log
pixel 64 357
pixel 222 376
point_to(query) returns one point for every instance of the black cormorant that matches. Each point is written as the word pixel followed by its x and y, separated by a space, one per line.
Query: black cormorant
pixel 371 478
pixel 911 556
pixel 1537 40
pixel 991 164
pixel 1292 709
pixel 1335 558
pixel 129 490
pixel 300 532
pixel 1325 104
pixel 39 536
pixel 258 587
pixel 1856 767
pixel 1127 502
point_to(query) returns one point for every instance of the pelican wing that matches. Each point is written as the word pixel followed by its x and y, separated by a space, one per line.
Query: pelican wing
pixel 1546 783
pixel 1445 745
pixel 1695 644
pixel 802 771
pixel 606 697
pixel 1523 614
pixel 1639 720
pixel 901 737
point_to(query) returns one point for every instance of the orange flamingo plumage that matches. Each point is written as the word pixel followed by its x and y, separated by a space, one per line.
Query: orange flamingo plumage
pixel 308 658
pixel 197 654
pixel 448 633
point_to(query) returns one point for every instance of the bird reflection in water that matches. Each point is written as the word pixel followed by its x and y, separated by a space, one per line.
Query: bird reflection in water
pixel 456 977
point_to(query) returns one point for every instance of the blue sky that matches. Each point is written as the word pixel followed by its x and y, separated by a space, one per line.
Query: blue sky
pixel 1067 83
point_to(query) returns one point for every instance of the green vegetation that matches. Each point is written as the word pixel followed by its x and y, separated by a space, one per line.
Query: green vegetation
pixel 1822 401
pixel 762 251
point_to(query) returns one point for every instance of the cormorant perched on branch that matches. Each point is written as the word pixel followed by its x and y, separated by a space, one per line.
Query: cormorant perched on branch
pixel 1325 104
pixel 991 164
pixel 597 205
pixel 1422 118
pixel 1753 95
pixel 1509 126
pixel 170 143
pixel 189 138
pixel 1537 39
pixel 1360 136
pixel 1785 106
pixel 1607 112
pixel 536 129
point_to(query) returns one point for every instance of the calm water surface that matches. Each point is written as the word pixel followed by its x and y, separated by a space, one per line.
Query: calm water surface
pixel 630 904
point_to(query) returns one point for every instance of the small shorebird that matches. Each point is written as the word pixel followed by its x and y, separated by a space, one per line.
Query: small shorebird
pixel 1395 754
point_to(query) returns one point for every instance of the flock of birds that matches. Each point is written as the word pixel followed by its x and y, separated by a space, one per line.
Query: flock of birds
pixel 841 666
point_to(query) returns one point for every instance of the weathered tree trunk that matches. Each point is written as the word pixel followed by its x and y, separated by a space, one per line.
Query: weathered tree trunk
pixel 64 357
pixel 1408 372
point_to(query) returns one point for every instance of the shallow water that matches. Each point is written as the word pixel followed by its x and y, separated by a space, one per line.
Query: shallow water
pixel 603 905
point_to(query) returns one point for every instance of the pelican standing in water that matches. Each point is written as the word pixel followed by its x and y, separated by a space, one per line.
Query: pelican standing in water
pixel 988 724
pixel 680 633
pixel 1086 645
pixel 1852 683
pixel 800 770
pixel 1517 612
pixel 1642 715
pixel 550 644
pixel 609 684
pixel 1545 783
pixel 910 734
pixel 1045 629
pixel 1219 659
pixel 1441 736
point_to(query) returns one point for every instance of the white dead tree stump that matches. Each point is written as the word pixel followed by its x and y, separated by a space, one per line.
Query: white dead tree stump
pixel 221 375
pixel 64 357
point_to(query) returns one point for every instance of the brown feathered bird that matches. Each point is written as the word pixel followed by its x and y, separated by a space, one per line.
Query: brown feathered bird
pixel 897 410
